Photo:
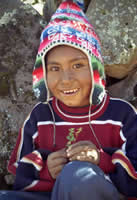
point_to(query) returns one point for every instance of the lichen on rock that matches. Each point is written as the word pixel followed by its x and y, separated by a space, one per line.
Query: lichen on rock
pixel 116 26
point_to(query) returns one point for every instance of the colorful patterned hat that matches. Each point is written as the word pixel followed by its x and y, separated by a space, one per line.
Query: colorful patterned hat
pixel 70 26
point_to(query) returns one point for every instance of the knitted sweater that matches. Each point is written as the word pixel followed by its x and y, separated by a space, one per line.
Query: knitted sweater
pixel 53 126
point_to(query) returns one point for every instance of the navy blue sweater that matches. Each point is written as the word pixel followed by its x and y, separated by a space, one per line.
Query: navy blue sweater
pixel 53 126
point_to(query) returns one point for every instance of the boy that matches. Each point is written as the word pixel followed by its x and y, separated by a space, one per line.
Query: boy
pixel 79 144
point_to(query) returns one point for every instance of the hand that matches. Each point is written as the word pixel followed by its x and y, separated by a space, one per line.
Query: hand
pixel 56 162
pixel 83 151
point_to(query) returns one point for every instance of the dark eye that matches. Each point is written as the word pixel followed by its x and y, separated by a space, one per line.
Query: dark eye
pixel 53 68
pixel 77 66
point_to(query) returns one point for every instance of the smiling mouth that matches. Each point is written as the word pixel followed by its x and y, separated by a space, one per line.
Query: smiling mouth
pixel 70 92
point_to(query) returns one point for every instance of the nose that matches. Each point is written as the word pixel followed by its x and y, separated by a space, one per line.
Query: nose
pixel 66 76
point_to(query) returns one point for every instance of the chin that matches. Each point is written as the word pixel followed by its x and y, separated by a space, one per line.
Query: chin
pixel 72 104
pixel 69 103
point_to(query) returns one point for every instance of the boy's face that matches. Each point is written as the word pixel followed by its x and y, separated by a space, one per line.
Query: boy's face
pixel 68 75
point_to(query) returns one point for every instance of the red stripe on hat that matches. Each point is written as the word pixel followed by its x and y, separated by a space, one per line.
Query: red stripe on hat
pixel 72 5
pixel 96 76
pixel 37 75
pixel 98 79
pixel 103 82
pixel 70 38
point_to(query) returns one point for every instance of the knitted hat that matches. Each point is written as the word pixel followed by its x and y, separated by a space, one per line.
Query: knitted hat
pixel 69 26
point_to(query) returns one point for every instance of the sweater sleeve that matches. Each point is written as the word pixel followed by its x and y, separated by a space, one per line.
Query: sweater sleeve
pixel 125 159
pixel 32 174
pixel 106 162
pixel 28 163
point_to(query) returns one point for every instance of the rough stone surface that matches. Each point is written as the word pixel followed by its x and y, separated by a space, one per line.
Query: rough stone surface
pixel 20 28
pixel 116 24
pixel 8 6
pixel 126 89
pixel 49 8
pixel 37 4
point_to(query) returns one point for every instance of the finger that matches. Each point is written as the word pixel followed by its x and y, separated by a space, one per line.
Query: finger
pixel 56 171
pixel 78 149
pixel 57 162
pixel 80 143
pixel 83 157
pixel 61 153
pixel 91 156
pixel 59 169
pixel 80 157
pixel 58 154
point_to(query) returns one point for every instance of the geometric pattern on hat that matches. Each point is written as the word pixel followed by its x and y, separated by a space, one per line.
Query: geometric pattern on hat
pixel 70 26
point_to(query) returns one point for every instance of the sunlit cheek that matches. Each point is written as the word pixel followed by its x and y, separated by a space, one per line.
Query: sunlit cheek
pixel 52 82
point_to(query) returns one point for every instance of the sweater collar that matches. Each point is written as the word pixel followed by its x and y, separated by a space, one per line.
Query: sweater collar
pixel 79 114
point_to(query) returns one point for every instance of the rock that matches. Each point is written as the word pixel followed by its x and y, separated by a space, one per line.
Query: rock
pixel 49 8
pixel 87 2
pixel 20 29
pixel 9 179
pixel 36 4
pixel 116 24
pixel 8 6
pixel 126 88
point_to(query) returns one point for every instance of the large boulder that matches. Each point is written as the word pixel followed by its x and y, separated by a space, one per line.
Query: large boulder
pixel 126 88
pixel 116 24
pixel 20 29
